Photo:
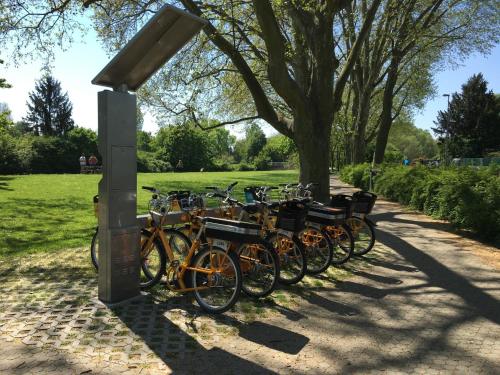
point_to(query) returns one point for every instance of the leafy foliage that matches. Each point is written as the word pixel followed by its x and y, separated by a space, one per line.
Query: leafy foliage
pixel 279 148
pixel 469 198
pixel 255 141
pixel 185 143
pixel 410 141
pixel 27 153
pixel 3 81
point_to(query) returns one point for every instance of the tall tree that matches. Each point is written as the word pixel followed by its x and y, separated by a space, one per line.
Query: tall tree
pixel 471 125
pixel 49 109
pixel 255 141
pixel 438 29
pixel 186 143
pixel 258 59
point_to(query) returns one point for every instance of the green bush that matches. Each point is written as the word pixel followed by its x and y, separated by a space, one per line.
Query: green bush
pixel 357 175
pixel 219 165
pixel 9 158
pixel 261 162
pixel 150 162
pixel 243 167
pixel 467 197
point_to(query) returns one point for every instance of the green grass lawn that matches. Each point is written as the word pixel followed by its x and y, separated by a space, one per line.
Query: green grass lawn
pixel 50 212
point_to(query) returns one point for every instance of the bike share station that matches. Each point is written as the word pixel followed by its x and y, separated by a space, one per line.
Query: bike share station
pixel 119 229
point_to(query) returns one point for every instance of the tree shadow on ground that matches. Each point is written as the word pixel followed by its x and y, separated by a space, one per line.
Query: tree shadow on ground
pixel 428 333
pixel 206 361
pixel 443 277
pixel 392 217
pixel 271 336
pixel 5 186
pixel 43 224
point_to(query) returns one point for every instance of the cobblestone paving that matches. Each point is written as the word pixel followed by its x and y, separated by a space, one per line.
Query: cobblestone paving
pixel 426 301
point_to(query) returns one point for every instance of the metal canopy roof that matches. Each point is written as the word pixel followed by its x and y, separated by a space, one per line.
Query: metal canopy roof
pixel 160 39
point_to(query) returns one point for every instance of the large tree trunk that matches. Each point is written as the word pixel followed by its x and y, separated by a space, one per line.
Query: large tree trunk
pixel 386 115
pixel 314 151
pixel 359 143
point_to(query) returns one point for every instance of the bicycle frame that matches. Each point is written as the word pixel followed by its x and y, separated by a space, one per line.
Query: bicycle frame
pixel 181 268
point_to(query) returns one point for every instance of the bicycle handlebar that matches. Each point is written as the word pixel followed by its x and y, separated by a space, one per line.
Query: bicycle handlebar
pixel 231 186
pixel 149 188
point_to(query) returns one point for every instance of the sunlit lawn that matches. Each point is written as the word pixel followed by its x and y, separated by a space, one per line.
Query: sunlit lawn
pixel 50 212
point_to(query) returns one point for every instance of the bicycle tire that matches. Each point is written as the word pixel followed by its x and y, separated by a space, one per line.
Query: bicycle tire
pixel 348 250
pixel 297 243
pixel 311 270
pixel 171 233
pixel 358 251
pixel 94 249
pixel 153 278
pixel 198 279
pixel 275 264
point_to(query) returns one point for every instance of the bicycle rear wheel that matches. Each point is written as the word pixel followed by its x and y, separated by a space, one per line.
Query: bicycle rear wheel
pixel 292 257
pixel 94 249
pixel 364 235
pixel 319 249
pixel 260 269
pixel 343 240
pixel 153 261
pixel 216 279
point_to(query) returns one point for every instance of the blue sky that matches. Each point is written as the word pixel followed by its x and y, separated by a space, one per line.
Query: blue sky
pixel 76 67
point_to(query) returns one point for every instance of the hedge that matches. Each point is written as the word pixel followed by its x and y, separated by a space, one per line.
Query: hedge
pixel 467 197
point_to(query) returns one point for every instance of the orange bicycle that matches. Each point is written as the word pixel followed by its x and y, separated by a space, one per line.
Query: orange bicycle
pixel 259 263
pixel 280 222
pixel 211 272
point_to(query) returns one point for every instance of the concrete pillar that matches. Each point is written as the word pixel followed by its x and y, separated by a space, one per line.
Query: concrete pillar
pixel 119 264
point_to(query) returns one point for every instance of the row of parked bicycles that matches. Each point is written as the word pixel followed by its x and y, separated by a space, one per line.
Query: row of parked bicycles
pixel 248 246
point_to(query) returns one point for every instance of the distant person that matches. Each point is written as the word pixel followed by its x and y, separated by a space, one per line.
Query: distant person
pixel 83 161
pixel 179 166
pixel 92 160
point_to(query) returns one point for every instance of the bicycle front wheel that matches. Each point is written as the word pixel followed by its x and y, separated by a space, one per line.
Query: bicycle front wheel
pixel 153 260
pixel 216 279
pixel 260 268
pixel 178 242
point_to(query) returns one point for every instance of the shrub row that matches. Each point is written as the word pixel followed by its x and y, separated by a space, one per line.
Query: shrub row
pixel 33 154
pixel 467 197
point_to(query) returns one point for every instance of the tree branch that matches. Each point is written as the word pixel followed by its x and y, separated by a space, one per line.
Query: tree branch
pixel 279 77
pixel 353 55
pixel 264 108
pixel 197 123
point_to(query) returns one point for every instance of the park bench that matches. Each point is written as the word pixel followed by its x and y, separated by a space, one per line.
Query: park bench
pixel 91 169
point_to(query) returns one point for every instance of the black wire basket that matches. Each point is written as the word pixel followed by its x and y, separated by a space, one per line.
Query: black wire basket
pixel 292 216
pixel 363 202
